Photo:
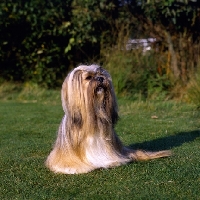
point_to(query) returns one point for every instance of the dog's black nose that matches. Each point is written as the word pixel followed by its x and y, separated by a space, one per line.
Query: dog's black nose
pixel 100 79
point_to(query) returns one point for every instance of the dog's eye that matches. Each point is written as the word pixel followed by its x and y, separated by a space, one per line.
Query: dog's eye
pixel 88 77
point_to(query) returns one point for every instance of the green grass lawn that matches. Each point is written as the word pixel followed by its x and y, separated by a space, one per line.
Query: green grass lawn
pixel 28 130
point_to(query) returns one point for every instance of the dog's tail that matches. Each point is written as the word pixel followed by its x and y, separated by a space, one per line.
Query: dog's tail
pixel 140 155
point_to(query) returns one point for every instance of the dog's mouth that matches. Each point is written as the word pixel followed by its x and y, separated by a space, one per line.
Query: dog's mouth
pixel 100 90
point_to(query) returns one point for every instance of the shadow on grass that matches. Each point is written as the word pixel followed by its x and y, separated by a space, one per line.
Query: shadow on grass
pixel 167 142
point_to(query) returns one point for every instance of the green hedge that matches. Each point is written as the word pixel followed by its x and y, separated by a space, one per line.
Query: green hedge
pixel 33 35
pixel 40 40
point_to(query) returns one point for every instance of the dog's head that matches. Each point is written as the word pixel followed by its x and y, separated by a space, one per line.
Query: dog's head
pixel 87 90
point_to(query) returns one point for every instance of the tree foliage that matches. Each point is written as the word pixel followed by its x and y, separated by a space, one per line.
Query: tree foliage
pixel 176 25
pixel 41 40
pixel 33 35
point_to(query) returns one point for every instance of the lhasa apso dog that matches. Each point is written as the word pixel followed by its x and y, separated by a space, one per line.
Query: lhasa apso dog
pixel 86 137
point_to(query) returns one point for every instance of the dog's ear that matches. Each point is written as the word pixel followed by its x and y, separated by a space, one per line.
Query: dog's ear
pixel 115 116
pixel 114 112
pixel 64 95
pixel 77 119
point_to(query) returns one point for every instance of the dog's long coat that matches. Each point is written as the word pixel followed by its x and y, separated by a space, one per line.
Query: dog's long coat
pixel 86 137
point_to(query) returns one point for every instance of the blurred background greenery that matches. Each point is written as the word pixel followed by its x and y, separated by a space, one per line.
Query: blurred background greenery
pixel 40 41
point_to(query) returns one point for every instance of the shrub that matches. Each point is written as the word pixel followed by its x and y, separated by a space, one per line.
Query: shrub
pixel 193 90
pixel 135 73
pixel 33 35
pixel 41 40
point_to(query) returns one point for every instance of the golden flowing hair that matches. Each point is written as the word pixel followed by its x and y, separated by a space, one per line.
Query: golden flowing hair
pixel 86 137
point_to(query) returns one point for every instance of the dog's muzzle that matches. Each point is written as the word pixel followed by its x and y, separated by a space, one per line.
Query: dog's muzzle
pixel 99 90
pixel 100 84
